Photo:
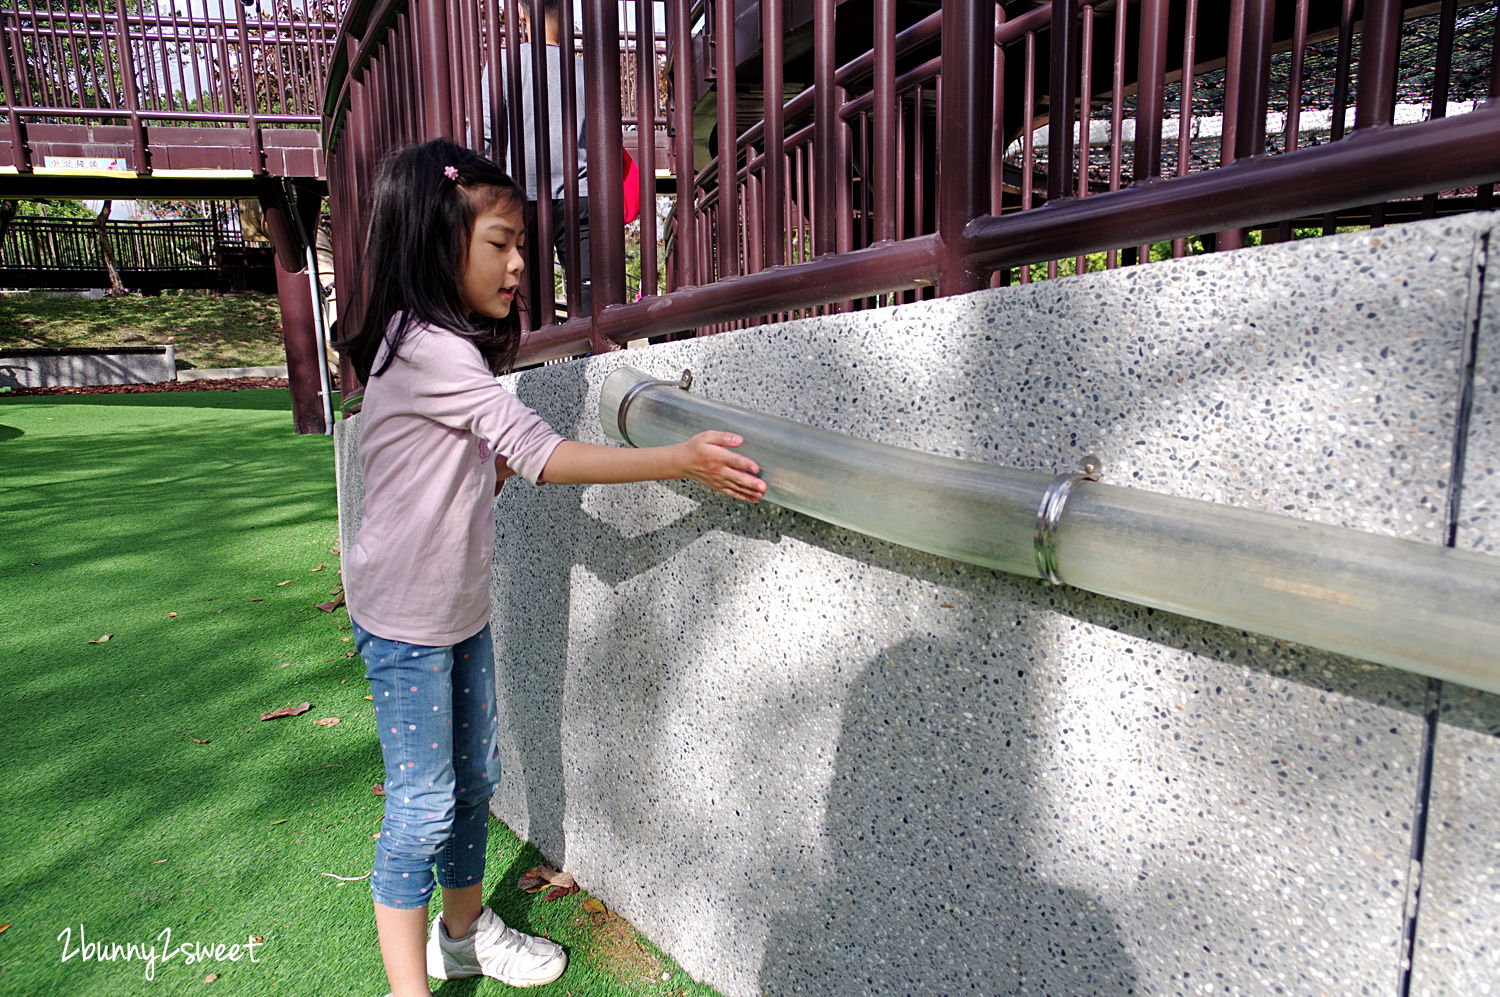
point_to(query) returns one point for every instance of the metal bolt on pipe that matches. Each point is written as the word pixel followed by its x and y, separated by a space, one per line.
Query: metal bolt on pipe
pixel 1419 607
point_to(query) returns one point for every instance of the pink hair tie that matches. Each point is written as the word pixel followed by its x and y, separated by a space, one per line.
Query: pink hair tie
pixel 451 172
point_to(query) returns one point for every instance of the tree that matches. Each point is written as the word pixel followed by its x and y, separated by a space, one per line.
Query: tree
pixel 106 252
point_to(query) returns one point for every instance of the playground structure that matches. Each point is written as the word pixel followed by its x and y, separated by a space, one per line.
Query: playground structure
pixel 1206 123
pixel 828 191
pixel 193 100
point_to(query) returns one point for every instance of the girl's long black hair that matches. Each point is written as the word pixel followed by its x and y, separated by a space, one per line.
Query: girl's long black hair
pixel 417 249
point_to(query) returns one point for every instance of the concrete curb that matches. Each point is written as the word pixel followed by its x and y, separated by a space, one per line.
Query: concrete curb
pixel 220 373
pixel 43 367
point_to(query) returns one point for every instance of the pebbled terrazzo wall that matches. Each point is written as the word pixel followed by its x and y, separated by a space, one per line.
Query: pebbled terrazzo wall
pixel 804 761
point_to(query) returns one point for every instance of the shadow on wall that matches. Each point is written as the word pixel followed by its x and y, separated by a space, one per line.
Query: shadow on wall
pixel 530 596
pixel 915 901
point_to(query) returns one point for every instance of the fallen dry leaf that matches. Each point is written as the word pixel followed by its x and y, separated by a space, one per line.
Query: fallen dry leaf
pixel 194 739
pixel 287 582
pixel 286 711
pixel 332 604
pixel 378 789
pixel 101 640
pixel 320 567
pixel 257 599
pixel 170 615
pixel 7 924
pixel 333 550
pixel 559 891
pixel 281 821
pixel 594 906
pixel 327 721
pixel 538 877
pixel 158 862
pixel 210 977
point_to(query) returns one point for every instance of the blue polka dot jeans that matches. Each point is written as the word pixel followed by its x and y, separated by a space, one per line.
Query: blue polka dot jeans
pixel 435 713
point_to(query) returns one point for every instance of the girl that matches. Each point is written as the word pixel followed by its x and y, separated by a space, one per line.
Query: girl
pixel 439 437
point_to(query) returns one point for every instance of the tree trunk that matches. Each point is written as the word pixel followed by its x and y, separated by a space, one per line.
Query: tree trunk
pixel 116 285
pixel 8 209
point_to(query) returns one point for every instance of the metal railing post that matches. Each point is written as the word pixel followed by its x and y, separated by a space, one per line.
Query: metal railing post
pixel 679 33
pixel 1062 95
pixel 132 99
pixel 645 129
pixel 573 290
pixel 724 89
pixel 963 112
pixel 7 81
pixel 1151 68
pixel 774 170
pixel 825 129
pixel 1379 46
pixel 884 112
pixel 601 52
pixel 1247 92
pixel 437 101
pixel 543 168
pixel 247 92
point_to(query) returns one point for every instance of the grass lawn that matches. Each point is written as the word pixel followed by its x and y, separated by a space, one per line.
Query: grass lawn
pixel 207 330
pixel 195 530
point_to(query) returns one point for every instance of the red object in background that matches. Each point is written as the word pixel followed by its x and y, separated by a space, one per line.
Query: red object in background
pixel 632 186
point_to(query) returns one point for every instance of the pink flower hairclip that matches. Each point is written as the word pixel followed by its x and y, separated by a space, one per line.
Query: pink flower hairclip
pixel 451 172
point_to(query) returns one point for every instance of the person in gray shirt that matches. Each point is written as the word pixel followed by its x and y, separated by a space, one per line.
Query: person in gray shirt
pixel 527 176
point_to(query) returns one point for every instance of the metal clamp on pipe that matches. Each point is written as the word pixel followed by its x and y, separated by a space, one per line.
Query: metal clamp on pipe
pixel 685 382
pixel 1049 514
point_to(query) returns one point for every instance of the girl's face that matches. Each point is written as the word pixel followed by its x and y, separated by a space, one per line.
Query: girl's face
pixel 492 271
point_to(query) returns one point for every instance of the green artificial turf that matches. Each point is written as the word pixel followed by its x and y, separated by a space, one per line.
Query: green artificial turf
pixel 146 795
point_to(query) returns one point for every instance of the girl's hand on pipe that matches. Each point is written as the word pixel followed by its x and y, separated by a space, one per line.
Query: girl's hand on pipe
pixel 709 459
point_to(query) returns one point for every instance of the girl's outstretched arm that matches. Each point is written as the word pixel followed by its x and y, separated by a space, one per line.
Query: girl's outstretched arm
pixel 706 458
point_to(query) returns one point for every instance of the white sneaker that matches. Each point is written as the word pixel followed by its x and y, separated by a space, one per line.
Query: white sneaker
pixel 491 949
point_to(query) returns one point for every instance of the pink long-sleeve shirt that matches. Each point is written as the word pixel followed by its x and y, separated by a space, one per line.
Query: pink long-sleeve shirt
pixel 432 425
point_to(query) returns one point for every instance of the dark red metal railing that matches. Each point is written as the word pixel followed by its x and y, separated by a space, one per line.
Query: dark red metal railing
pixel 829 155
pixel 72 244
